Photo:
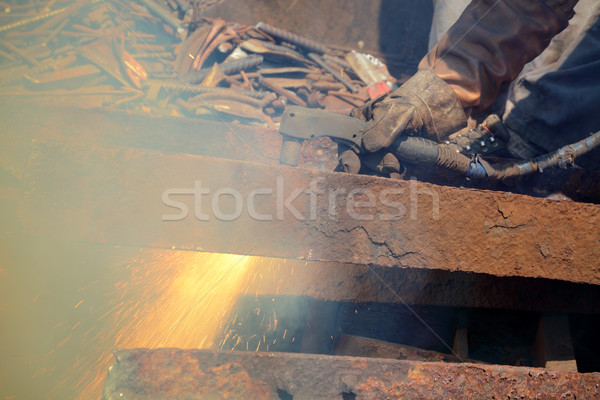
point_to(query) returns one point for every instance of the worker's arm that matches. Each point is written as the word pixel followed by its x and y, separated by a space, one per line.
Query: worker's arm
pixel 491 42
pixel 488 45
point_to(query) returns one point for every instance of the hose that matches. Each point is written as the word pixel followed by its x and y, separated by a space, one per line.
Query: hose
pixel 421 151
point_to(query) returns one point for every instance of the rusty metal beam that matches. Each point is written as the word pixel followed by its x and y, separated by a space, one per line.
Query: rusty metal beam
pixel 25 121
pixel 173 373
pixel 114 195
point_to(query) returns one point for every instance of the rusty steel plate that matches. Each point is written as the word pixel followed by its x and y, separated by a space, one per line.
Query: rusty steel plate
pixel 145 198
pixel 190 374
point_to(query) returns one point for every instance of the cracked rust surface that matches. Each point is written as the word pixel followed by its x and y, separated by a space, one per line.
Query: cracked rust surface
pixel 115 196
pixel 173 373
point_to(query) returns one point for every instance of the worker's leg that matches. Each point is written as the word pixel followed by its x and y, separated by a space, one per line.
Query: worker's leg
pixel 556 99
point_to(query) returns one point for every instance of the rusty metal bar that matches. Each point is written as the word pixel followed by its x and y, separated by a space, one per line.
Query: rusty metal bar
pixel 163 14
pixel 30 120
pixel 333 72
pixel 292 38
pixel 32 19
pixel 173 373
pixel 142 198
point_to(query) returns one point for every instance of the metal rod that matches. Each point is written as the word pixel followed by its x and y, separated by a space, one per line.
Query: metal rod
pixel 163 15
pixel 292 38
pixel 176 86
pixel 333 72
pixel 32 19
pixel 228 67
pixel 279 48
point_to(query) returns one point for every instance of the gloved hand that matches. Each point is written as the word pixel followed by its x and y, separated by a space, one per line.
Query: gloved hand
pixel 424 106
pixel 488 46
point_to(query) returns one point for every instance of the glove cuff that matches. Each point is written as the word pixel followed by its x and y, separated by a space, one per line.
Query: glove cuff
pixel 436 104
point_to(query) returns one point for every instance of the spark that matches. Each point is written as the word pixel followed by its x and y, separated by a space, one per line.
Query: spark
pixel 38 371
pixel 58 346
pixel 88 286
pixel 176 299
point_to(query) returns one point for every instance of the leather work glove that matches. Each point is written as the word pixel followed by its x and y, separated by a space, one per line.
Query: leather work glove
pixel 424 106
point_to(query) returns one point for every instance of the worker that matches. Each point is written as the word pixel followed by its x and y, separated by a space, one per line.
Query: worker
pixel 546 103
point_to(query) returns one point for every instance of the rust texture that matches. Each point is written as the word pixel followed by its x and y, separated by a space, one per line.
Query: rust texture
pixel 118 200
pixel 173 373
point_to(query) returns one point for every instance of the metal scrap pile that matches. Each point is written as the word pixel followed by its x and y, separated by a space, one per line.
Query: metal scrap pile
pixel 150 56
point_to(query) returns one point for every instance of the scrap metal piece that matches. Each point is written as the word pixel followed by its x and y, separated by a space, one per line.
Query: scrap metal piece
pixel 161 13
pixel 276 53
pixel 133 68
pixel 178 87
pixel 228 67
pixel 216 28
pixel 244 109
pixel 58 63
pixel 36 18
pixel 292 38
pixel 101 53
pixel 270 84
pixel 333 72
pixel 368 68
pixel 177 374
pixel 190 49
pixel 62 75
